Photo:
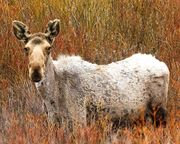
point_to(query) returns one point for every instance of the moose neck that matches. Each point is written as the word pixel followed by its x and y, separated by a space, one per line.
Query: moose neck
pixel 47 85
pixel 49 71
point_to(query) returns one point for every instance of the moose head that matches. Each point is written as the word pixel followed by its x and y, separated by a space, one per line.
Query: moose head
pixel 37 46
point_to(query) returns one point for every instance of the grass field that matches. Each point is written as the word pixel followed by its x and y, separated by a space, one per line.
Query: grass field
pixel 100 31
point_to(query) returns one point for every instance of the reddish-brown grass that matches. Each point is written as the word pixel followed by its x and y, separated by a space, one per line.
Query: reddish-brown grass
pixel 100 31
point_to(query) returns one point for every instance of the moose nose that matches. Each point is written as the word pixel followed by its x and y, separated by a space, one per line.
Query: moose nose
pixel 36 75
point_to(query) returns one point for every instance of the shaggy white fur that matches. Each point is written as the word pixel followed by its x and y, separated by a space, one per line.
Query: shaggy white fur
pixel 122 88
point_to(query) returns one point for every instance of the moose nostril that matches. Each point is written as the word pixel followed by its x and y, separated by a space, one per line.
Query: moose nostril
pixel 36 75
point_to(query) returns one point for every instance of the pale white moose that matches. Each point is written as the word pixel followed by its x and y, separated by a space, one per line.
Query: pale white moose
pixel 74 90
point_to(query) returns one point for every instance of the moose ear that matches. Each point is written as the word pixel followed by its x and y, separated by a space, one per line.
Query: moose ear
pixel 52 30
pixel 21 31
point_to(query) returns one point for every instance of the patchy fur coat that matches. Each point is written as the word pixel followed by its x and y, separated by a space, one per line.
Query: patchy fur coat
pixel 73 87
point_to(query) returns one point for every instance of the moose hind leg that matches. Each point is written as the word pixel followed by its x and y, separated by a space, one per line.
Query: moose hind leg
pixel 160 117
pixel 158 92
pixel 156 115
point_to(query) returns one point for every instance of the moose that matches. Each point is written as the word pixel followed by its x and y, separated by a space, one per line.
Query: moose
pixel 76 91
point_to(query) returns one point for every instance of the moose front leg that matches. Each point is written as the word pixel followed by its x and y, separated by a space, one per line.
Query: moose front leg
pixel 58 116
pixel 50 110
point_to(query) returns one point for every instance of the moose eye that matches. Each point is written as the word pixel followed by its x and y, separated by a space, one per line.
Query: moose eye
pixel 48 48
pixel 26 50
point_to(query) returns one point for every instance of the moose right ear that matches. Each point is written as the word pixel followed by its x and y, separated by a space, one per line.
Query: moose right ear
pixel 52 29
pixel 21 31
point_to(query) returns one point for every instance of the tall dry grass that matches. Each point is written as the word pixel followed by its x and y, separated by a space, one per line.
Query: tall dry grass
pixel 100 31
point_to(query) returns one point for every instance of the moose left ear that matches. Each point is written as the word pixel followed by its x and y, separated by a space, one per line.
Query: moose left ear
pixel 52 30
pixel 20 31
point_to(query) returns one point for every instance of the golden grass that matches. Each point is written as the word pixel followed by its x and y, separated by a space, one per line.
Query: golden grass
pixel 100 31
